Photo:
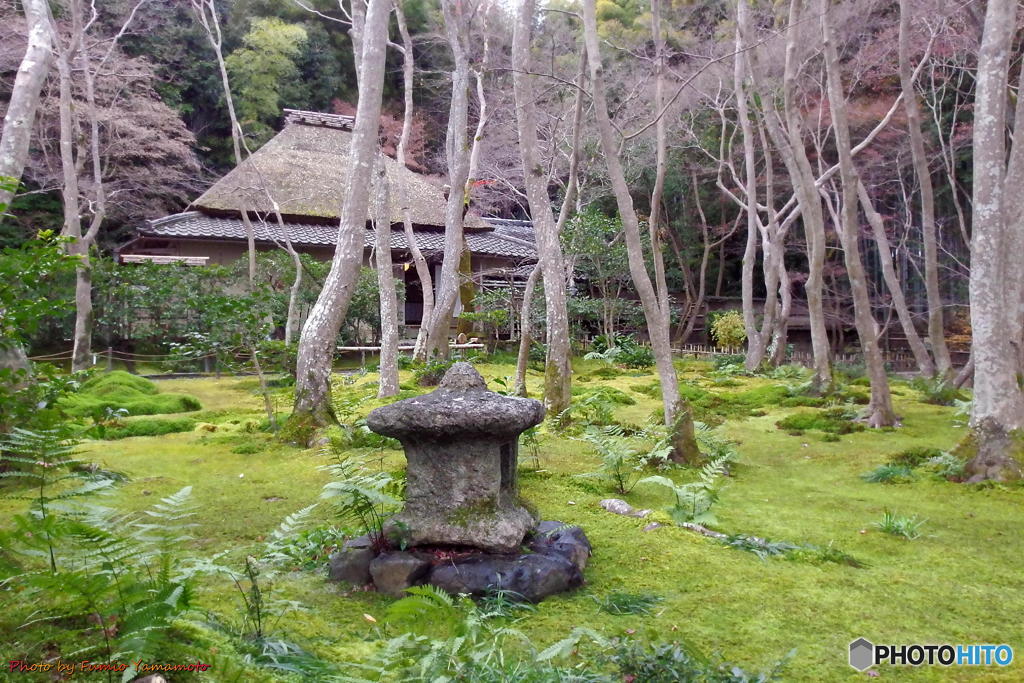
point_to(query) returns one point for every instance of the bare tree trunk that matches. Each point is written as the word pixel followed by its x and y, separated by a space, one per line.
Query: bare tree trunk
pixel 206 13
pixel 268 405
pixel 998 408
pixel 936 326
pixel 678 416
pixel 21 108
pixel 558 365
pixel 880 408
pixel 892 282
pixel 790 145
pixel 420 263
pixel 781 329
pixel 81 357
pixel 525 332
pixel 387 293
pixel 661 160
pixel 756 345
pixel 457 154
pixel 316 347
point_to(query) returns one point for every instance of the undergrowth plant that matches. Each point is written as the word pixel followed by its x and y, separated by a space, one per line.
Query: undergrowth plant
pixel 623 458
pixel 628 603
pixel 800 552
pixel 112 581
pixel 889 474
pixel 902 526
pixel 257 633
pixel 53 482
pixel 361 496
pixel 693 501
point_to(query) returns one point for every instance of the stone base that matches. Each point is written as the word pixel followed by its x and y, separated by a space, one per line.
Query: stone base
pixel 500 529
pixel 557 555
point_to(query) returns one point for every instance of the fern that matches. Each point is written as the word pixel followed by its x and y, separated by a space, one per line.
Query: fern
pixel 360 495
pixel 693 501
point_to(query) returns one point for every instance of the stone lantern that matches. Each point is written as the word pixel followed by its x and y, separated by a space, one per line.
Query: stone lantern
pixel 461 442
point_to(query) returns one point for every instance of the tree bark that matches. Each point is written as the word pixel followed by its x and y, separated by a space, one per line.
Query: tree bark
pixel 936 325
pixel 419 261
pixel 457 154
pixel 525 332
pixel 316 347
pixel 678 416
pixel 880 407
pixel 386 291
pixel 755 344
pixel 558 366
pixel 997 414
pixel 24 100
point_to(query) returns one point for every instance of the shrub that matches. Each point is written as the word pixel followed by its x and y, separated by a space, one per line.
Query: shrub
pixel 622 350
pixel 937 390
pixel 728 331
pixel 635 357
pixel 947 466
pixel 149 427
pixel 430 373
pixel 730 365
pixel 603 342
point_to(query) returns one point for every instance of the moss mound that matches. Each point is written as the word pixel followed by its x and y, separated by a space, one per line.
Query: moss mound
pixel 832 421
pixel 116 382
pixel 120 390
pixel 605 393
pixel 150 427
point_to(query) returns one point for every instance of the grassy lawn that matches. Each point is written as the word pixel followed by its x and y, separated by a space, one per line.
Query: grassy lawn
pixel 960 582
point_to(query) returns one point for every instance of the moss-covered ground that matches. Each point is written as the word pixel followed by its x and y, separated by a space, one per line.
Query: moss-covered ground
pixel 961 582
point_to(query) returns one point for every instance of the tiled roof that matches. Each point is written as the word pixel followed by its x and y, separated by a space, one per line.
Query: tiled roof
pixel 505 241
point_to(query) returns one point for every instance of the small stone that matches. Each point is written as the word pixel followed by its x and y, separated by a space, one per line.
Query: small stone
pixel 351 565
pixel 652 526
pixel 621 507
pixel 395 571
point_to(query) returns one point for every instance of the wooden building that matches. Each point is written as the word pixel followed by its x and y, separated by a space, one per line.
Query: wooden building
pixel 303 169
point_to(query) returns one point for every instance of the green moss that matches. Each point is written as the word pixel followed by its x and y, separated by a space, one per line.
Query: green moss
pixel 150 427
pixel 610 394
pixel 914 457
pixel 117 381
pixel 120 390
pixel 715 598
pixel 473 513
pixel 833 421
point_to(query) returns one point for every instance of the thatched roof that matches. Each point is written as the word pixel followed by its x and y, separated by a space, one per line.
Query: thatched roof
pixel 305 168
